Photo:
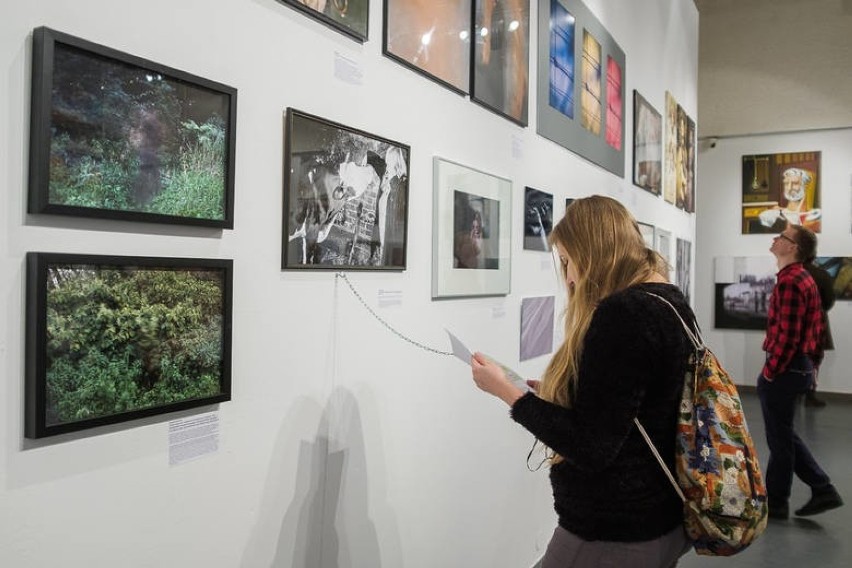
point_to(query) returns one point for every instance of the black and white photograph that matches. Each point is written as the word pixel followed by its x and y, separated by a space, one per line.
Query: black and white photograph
pixel 538 219
pixel 500 78
pixel 742 287
pixel 476 238
pixel 683 266
pixel 345 197
pixel 471 232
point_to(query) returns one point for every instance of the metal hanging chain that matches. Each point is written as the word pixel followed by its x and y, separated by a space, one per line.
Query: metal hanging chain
pixel 386 324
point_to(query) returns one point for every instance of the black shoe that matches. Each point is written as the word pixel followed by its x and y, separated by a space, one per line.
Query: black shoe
pixel 779 510
pixel 822 500
pixel 812 400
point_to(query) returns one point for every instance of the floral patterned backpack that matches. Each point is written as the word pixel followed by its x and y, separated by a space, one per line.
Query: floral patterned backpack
pixel 716 468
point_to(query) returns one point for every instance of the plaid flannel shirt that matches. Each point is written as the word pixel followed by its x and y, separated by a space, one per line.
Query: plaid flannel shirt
pixel 795 321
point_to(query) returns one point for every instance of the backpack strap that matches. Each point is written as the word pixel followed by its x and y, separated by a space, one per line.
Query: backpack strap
pixel 694 335
pixel 657 455
pixel 698 343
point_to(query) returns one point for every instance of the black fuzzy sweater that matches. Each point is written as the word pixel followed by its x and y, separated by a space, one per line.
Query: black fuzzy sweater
pixel 610 486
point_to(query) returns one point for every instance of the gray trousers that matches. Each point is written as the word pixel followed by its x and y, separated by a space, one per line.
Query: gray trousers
pixel 568 550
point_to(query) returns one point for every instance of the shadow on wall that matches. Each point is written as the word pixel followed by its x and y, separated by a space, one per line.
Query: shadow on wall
pixel 326 523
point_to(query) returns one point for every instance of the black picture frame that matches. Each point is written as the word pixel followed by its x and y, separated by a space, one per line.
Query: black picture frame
pixel 538 219
pixel 345 197
pixel 111 339
pixel 115 136
pixel 499 76
pixel 647 145
pixel 403 40
pixel 334 16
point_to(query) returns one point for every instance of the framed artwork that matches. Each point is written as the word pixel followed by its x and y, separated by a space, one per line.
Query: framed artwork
pixel 683 266
pixel 614 104
pixel 561 63
pixel 500 69
pixel 345 197
pixel 471 233
pixel 570 35
pixel 536 326
pixel 111 339
pixel 684 161
pixel 350 17
pixel 590 99
pixel 663 245
pixel 781 188
pixel 538 219
pixel 647 145
pixel 115 136
pixel 689 196
pixel 647 232
pixel 433 38
pixel 742 287
pixel 669 164
pixel 840 270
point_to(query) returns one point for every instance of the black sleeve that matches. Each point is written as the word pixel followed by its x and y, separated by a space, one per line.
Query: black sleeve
pixel 614 373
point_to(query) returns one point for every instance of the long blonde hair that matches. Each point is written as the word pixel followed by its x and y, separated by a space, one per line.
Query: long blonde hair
pixel 603 242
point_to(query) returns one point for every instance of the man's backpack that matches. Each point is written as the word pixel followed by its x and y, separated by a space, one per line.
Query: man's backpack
pixel 716 466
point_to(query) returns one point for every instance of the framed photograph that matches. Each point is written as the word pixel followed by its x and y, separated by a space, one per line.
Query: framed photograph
pixel 683 266
pixel 840 270
pixel 537 326
pixel 781 188
pixel 538 219
pixel 742 287
pixel 647 145
pixel 663 245
pixel 349 17
pixel 684 161
pixel 669 160
pixel 590 98
pixel 647 232
pixel 500 73
pixel 111 339
pixel 345 197
pixel 433 38
pixel 471 233
pixel 561 64
pixel 582 73
pixel 115 136
pixel 614 104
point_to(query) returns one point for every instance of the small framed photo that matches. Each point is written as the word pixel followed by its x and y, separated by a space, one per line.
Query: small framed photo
pixel 432 38
pixel 115 136
pixel 501 47
pixel 647 231
pixel 349 17
pixel 647 145
pixel 111 339
pixel 345 197
pixel 471 234
pixel 538 219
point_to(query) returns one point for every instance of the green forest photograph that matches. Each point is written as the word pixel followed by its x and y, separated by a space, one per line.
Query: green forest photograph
pixel 121 338
pixel 126 138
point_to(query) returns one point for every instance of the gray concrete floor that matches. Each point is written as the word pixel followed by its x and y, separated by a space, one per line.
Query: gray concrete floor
pixel 823 540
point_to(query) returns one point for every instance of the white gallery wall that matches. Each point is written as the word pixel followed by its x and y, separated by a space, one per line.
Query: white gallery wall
pixel 719 234
pixel 343 445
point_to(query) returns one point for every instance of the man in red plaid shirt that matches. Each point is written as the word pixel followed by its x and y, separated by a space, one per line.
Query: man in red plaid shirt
pixel 793 348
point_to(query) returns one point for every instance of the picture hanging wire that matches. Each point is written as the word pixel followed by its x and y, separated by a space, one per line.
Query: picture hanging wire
pixel 386 324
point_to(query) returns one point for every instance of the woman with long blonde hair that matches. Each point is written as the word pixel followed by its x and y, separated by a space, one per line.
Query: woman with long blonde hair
pixel 624 356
